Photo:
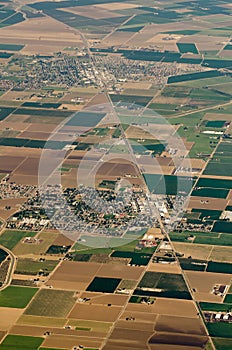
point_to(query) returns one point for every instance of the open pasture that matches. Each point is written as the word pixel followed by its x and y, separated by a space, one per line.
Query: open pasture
pixel 10 238
pixel 45 240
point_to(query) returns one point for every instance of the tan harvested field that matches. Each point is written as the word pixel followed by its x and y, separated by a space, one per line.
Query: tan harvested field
pixel 139 92
pixel 71 107
pixel 117 169
pixel 13 125
pixel 182 308
pixel 194 163
pixel 141 326
pixel 17 152
pixel 95 312
pixel 217 116
pixel 179 339
pixel 113 6
pixel 156 169
pixel 221 254
pixel 48 128
pixel 162 44
pixel 62 240
pixel 39 331
pixel 24 179
pixel 142 85
pixel 92 11
pixel 14 95
pixel 204 42
pixel 69 179
pixel 140 316
pixel 34 135
pixel 112 346
pixel 9 163
pixel 171 347
pixel 58 341
pixel 196 251
pixel 170 100
pixel 130 337
pixel 73 275
pixel 47 238
pixel 2 335
pixel 169 268
pixel 181 324
pixel 207 203
pixel 203 283
pixel 104 299
pixel 41 321
pixel 29 167
pixel 120 271
pixel 34 119
pixel 40 35
pixel 14 203
pixel 116 38
pixel 8 317
pixel 134 132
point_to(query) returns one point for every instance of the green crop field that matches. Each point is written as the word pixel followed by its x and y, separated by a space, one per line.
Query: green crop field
pixel 9 238
pixel 33 267
pixel 222 343
pixel 11 47
pixel 16 297
pixel 19 342
pixel 220 329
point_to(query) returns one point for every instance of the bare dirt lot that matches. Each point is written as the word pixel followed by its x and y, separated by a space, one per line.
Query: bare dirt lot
pixel 95 312
pixel 120 271
pixel 9 317
pixel 73 275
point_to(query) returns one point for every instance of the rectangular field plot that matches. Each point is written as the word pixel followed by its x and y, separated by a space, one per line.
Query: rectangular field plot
pixel 42 321
pixel 210 192
pixel 163 285
pixel 51 303
pixel 215 307
pixel 104 285
pixel 5 112
pixel 33 267
pixel 219 267
pixel 214 183
pixel 168 184
pixel 16 297
pixel 220 329
pixel 45 240
pixel 127 99
pixel 222 343
pixel 187 48
pixel 223 227
pixel 11 47
pixel 88 119
pixel 18 342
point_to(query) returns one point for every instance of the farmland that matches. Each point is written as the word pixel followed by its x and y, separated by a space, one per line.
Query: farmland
pixel 115 175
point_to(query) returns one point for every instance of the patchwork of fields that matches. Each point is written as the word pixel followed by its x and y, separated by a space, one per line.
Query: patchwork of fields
pixel 138 93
